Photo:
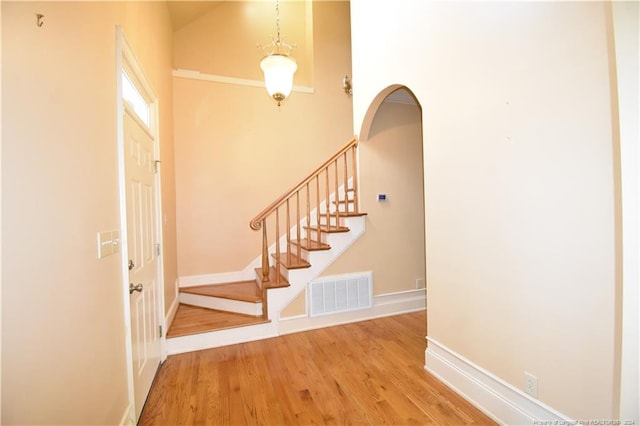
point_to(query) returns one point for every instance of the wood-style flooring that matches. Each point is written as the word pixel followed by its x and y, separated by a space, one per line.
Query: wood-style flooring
pixel 366 373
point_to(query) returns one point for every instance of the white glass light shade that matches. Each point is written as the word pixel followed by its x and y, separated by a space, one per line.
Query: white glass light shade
pixel 278 75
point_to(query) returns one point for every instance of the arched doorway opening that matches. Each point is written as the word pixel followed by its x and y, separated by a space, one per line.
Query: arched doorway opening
pixel 392 167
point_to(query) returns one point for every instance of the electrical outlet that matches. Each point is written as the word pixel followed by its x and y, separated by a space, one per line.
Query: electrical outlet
pixel 531 384
pixel 419 283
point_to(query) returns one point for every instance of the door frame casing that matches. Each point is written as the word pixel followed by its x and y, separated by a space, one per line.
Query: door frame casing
pixel 127 60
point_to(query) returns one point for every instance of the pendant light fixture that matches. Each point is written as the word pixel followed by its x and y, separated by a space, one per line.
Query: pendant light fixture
pixel 278 67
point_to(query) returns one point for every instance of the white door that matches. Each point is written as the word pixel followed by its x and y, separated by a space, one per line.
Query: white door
pixel 143 259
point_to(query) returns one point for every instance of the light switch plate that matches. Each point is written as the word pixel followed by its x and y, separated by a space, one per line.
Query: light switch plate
pixel 105 247
pixel 115 241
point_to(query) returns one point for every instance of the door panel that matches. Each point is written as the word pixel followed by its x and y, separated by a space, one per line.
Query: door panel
pixel 141 239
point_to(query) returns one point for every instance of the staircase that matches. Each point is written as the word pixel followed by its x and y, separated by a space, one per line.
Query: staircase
pixel 320 219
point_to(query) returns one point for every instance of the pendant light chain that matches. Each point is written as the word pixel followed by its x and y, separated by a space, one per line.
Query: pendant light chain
pixel 278 24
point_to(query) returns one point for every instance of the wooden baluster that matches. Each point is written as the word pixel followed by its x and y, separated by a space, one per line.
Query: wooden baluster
pixel 318 205
pixel 288 233
pixel 336 195
pixel 299 250
pixel 346 176
pixel 277 263
pixel 265 253
pixel 354 162
pixel 326 190
pixel 308 215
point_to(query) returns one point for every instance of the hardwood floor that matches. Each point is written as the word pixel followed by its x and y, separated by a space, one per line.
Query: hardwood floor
pixel 367 373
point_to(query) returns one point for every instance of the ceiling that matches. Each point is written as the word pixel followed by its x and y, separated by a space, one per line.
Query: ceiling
pixel 184 12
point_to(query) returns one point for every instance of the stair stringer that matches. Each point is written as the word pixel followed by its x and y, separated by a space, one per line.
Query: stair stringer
pixel 279 298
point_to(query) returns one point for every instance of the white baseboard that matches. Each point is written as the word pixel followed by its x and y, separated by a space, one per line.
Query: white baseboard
pixel 126 419
pixel 383 305
pixel 496 398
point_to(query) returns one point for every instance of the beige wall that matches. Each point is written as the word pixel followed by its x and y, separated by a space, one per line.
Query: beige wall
pixel 519 188
pixel 235 150
pixel 63 337
pixel 393 244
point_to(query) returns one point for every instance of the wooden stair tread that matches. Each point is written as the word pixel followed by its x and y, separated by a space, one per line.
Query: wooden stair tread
pixel 311 245
pixel 328 228
pixel 246 291
pixel 272 279
pixel 291 261
pixel 344 214
pixel 194 320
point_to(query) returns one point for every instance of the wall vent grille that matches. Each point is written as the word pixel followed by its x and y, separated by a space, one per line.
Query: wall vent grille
pixel 330 295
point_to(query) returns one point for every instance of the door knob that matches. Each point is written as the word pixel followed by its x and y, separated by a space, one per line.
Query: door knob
pixel 133 288
pixel 131 264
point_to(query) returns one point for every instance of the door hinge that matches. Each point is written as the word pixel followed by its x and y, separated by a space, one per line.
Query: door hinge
pixel 160 327
pixel 156 166
pixel 158 249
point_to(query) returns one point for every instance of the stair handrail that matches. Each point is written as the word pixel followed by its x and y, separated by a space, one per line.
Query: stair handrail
pixel 293 196
pixel 256 222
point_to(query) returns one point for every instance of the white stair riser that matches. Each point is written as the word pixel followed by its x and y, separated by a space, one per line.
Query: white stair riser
pixel 304 254
pixel 331 220
pixel 221 304
pixel 317 235
pixel 215 339
pixel 284 272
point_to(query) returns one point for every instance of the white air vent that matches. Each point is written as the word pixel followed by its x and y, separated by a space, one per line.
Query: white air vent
pixel 329 295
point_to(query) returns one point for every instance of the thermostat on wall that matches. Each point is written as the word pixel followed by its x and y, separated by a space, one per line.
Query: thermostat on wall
pixel 382 197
